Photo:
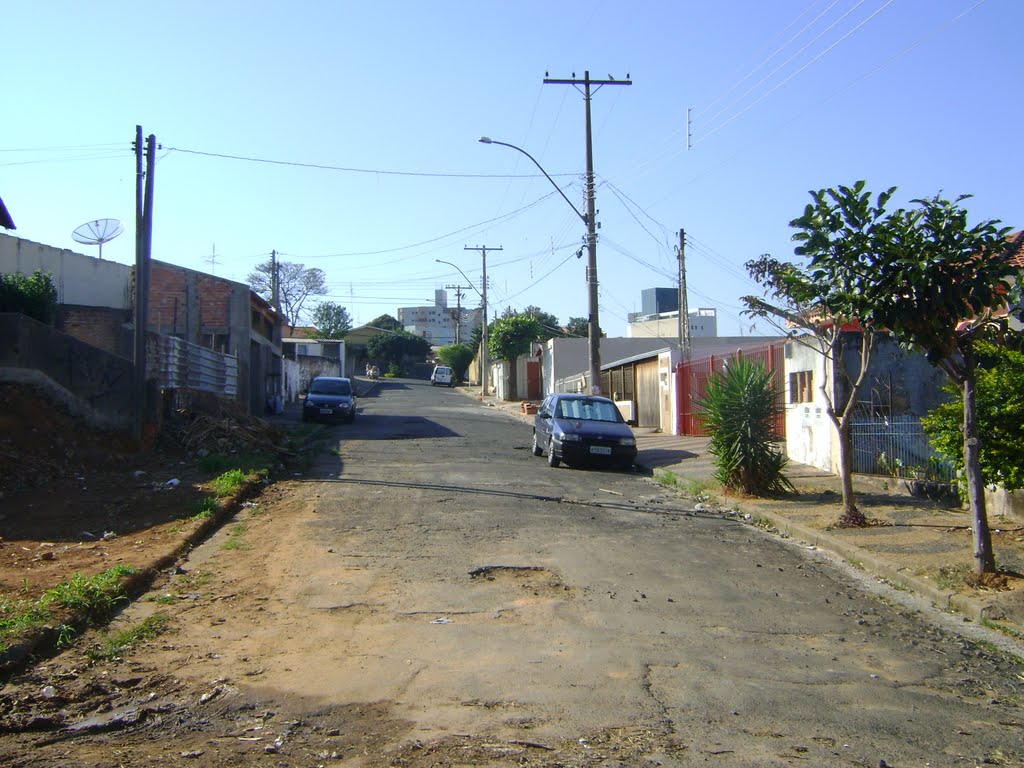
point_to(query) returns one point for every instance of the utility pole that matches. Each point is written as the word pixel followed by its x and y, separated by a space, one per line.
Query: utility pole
pixel 275 287
pixel 458 309
pixel 593 323
pixel 143 254
pixel 483 341
pixel 684 310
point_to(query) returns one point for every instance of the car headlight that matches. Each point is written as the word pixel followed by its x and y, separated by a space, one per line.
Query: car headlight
pixel 569 437
pixel 627 441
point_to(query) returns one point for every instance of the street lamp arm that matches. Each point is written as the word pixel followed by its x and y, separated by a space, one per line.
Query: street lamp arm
pixel 486 140
pixel 450 264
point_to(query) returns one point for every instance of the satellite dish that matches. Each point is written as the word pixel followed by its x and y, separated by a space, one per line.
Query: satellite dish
pixel 98 232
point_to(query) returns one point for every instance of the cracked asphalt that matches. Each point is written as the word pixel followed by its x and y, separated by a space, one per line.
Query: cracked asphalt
pixel 433 589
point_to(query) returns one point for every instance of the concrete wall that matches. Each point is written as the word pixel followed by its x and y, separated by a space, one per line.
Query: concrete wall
pixel 91 383
pixel 82 280
pixel 810 435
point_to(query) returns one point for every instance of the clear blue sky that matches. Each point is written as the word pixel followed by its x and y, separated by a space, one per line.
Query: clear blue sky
pixel 786 96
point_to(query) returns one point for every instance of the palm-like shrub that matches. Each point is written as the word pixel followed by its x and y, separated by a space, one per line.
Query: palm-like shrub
pixel 740 409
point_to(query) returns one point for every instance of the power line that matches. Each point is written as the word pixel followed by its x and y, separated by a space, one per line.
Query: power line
pixel 372 171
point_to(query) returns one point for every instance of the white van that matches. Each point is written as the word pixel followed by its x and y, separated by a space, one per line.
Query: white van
pixel 442 376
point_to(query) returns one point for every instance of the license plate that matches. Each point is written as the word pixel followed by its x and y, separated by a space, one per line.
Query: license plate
pixel 603 450
pixel 326 411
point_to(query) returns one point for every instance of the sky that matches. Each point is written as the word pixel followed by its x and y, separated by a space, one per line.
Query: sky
pixel 344 135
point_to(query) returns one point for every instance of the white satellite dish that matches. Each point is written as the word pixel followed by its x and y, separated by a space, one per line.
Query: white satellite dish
pixel 98 232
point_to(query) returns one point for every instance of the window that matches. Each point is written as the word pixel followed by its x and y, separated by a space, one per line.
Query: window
pixel 801 387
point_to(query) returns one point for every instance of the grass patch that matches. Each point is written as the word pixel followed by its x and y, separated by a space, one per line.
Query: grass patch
pixel 1005 629
pixel 953 577
pixel 91 599
pixel 762 522
pixel 236 537
pixel 115 645
pixel 698 490
pixel 219 463
pixel 205 509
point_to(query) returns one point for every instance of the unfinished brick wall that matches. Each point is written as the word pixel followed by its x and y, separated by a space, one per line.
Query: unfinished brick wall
pixel 102 327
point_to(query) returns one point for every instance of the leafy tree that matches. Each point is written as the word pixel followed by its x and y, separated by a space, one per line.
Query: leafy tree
pixel 1000 415
pixel 508 338
pixel 457 357
pixel 941 287
pixel 398 347
pixel 549 325
pixel 387 322
pixel 35 296
pixel 295 284
pixel 332 320
pixel 840 235
pixel 578 327
pixel 476 337
pixel 740 408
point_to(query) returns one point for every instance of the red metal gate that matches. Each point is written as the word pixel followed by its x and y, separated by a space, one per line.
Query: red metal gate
pixel 692 382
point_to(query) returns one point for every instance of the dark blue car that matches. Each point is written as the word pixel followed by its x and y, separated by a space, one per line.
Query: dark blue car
pixel 330 399
pixel 583 430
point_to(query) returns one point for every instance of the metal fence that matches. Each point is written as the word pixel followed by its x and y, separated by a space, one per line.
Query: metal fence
pixel 178 364
pixel 692 382
pixel 895 446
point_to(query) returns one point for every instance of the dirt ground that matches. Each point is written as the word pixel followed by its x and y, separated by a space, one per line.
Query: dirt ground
pixel 74 502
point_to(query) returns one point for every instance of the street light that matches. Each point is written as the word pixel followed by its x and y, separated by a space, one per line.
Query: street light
pixel 483 339
pixel 588 218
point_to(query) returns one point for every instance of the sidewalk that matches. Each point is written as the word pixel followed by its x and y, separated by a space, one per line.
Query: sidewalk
pixel 910 544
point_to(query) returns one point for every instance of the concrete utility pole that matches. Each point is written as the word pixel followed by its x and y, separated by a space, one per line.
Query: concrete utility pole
pixel 483 342
pixel 593 323
pixel 143 254
pixel 458 308
pixel 275 286
pixel 684 309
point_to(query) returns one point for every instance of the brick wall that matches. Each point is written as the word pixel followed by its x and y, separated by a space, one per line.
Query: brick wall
pixel 102 327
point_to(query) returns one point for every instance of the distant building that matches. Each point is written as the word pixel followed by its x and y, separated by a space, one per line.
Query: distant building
pixel 703 323
pixel 437 323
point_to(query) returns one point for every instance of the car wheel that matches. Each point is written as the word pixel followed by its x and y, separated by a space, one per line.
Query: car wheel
pixel 553 460
pixel 537 450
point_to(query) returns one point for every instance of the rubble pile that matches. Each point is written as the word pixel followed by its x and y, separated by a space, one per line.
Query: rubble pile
pixel 206 424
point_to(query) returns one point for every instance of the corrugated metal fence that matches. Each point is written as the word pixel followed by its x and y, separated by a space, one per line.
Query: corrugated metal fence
pixel 692 381
pixel 178 364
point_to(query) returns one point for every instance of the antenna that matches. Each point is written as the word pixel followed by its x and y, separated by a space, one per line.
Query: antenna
pixel 212 258
pixel 98 232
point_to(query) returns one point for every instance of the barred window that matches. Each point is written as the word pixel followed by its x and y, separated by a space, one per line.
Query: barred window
pixel 801 387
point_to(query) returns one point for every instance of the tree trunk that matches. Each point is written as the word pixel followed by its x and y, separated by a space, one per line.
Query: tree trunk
pixel 851 516
pixel 984 557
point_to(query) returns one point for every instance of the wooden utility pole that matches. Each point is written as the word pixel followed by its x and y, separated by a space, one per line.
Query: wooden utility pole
pixel 483 341
pixel 593 322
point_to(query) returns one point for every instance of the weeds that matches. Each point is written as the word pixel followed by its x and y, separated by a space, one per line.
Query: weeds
pixel 953 577
pixel 236 537
pixel 91 599
pixel 220 463
pixel 206 508
pixel 114 645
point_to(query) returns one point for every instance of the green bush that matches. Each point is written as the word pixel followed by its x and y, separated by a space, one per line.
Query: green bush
pixel 1000 414
pixel 740 409
pixel 34 296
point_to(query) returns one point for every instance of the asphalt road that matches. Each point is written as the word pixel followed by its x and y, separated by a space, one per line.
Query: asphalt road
pixel 496 593
pixel 430 593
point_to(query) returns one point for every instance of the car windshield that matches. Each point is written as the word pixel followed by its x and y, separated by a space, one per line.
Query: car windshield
pixel 588 410
pixel 323 387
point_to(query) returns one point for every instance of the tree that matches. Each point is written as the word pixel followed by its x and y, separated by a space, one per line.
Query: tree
pixel 332 320
pixel 34 297
pixel 840 235
pixel 941 287
pixel 1000 417
pixel 457 357
pixel 397 347
pixel 295 284
pixel 578 327
pixel 740 409
pixel 510 337
pixel 549 326
pixel 387 322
